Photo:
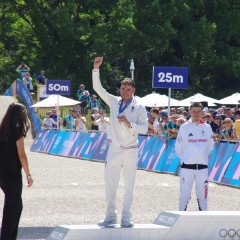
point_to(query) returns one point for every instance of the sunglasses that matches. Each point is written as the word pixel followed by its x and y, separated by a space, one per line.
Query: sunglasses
pixel 226 122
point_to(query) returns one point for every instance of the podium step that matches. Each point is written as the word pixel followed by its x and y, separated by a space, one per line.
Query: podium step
pixel 115 232
pixel 214 225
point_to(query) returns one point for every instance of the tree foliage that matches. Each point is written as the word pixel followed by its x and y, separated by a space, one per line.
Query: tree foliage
pixel 64 36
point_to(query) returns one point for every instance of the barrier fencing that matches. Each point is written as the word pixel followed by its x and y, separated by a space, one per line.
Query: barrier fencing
pixel 155 154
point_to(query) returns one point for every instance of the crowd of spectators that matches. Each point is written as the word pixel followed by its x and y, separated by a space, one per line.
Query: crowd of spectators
pixel 224 121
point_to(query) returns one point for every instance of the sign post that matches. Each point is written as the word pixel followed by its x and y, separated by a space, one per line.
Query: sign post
pixel 58 87
pixel 170 77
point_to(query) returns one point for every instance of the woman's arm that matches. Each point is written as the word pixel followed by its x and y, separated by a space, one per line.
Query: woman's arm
pixel 23 159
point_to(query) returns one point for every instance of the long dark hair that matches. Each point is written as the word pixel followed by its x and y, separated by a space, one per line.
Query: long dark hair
pixel 15 123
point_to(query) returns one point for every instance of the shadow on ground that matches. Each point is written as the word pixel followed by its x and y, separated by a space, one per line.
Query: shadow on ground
pixel 34 232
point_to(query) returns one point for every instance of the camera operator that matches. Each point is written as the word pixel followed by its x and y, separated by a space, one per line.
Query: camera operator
pixel 22 70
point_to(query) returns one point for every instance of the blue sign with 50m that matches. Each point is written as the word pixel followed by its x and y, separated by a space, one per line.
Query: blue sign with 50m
pixel 170 77
pixel 60 87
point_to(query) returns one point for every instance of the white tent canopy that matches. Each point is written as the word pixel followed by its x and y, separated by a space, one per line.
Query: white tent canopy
pixel 158 100
pixel 233 99
pixel 52 101
pixel 198 98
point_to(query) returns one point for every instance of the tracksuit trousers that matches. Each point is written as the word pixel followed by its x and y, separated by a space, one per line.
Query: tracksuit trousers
pixel 11 185
pixel 120 158
pixel 187 177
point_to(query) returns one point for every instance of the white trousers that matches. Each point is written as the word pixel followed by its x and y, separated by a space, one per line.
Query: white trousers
pixel 117 159
pixel 187 177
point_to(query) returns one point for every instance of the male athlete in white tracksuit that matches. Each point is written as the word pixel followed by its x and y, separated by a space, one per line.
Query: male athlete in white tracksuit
pixel 127 118
pixel 193 145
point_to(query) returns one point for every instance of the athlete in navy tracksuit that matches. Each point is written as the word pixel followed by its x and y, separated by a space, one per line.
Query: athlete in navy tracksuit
pixel 193 145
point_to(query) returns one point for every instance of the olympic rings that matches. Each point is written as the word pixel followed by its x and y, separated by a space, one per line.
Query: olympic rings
pixel 230 233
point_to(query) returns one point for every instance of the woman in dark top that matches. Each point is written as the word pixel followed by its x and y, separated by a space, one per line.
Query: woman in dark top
pixel 13 129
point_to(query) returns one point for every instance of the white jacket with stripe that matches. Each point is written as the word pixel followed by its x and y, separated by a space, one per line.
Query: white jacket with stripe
pixel 194 143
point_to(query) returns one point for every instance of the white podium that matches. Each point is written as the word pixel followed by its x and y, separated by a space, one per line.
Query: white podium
pixel 168 226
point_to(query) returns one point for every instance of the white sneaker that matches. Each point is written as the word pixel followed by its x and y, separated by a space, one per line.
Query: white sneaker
pixel 108 220
pixel 126 222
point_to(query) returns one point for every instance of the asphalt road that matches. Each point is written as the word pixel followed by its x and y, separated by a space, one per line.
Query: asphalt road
pixel 70 191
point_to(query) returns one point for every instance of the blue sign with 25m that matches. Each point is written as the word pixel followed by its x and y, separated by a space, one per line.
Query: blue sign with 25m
pixel 60 87
pixel 170 77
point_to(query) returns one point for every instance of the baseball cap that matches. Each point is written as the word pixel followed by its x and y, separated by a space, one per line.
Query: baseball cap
pixel 237 112
pixel 217 115
pixel 96 108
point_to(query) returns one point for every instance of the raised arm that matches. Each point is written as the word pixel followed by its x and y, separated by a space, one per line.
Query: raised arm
pixel 97 86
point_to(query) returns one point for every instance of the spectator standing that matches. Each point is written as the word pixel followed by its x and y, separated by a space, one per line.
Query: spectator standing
pixel 80 91
pixel 41 79
pixel 69 119
pixel 22 70
pixel 150 124
pixel 229 113
pixel 49 122
pixel 207 118
pixel 167 125
pixel 53 115
pixel 27 81
pixel 180 121
pixel 227 130
pixel 127 118
pixel 84 97
pixel 155 115
pixel 80 122
pixel 174 126
pixel 102 122
pixel 216 125
pixel 94 118
pixel 13 130
pixel 193 145
pixel 172 111
pixel 236 126
pixel 93 103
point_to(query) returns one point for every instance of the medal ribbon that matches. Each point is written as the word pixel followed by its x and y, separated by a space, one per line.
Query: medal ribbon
pixel 121 108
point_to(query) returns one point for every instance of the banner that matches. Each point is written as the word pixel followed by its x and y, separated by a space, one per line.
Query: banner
pixel 23 92
pixel 232 175
pixel 101 149
pixel 39 140
pixel 220 158
pixel 169 161
pixel 154 153
pixel 144 151
pixel 48 140
pixel 9 92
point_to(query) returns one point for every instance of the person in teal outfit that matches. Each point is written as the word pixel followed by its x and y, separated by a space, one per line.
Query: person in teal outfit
pixel 22 70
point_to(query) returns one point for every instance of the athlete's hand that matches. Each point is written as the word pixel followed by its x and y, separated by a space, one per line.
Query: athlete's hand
pixel 123 119
pixel 97 62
